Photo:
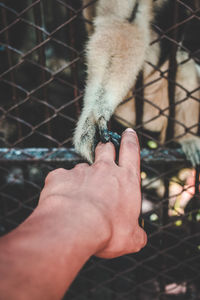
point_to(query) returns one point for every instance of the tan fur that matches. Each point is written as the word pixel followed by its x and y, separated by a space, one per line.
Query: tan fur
pixel 116 52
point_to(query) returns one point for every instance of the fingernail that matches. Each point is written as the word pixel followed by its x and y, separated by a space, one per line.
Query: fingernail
pixel 130 130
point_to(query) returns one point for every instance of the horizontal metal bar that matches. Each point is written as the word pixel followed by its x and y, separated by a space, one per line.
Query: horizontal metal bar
pixel 39 154
pixel 164 155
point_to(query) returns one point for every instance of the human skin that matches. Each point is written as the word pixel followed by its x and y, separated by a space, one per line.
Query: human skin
pixel 89 210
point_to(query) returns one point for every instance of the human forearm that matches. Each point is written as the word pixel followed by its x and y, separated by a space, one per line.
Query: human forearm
pixel 48 257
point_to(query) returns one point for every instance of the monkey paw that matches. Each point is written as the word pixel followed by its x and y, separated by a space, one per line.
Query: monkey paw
pixel 109 136
pixel 87 135
pixel 191 148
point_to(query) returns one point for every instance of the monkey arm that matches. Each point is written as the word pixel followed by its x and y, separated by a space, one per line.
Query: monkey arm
pixel 115 54
pixel 186 129
pixel 187 110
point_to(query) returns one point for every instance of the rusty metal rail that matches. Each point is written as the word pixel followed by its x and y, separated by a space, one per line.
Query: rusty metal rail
pixel 164 155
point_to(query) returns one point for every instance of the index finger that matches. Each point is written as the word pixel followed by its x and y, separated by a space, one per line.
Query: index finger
pixel 129 153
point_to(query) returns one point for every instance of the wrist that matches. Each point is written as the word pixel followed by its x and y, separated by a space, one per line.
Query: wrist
pixel 59 236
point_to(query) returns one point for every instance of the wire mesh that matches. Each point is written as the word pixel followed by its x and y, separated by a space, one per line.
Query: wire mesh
pixel 42 77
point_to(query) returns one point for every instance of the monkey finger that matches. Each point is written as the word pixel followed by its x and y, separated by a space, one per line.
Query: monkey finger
pixel 116 143
pixel 104 136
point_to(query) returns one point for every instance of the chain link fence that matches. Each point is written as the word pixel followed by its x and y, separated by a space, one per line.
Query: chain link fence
pixel 42 77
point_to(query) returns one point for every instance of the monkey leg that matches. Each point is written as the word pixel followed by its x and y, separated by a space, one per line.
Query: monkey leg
pixel 115 54
pixel 187 110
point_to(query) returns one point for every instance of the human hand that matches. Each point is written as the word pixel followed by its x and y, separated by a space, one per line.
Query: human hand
pixel 104 198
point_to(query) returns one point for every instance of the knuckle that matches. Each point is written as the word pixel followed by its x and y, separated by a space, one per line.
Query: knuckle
pixel 131 137
pixel 81 166
pixel 54 173
pixel 130 175
pixel 130 144
pixel 127 176
pixel 102 164
pixel 143 239
pixel 100 146
pixel 133 174
pixel 48 177
pixel 58 171
pixel 140 239
pixel 137 248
